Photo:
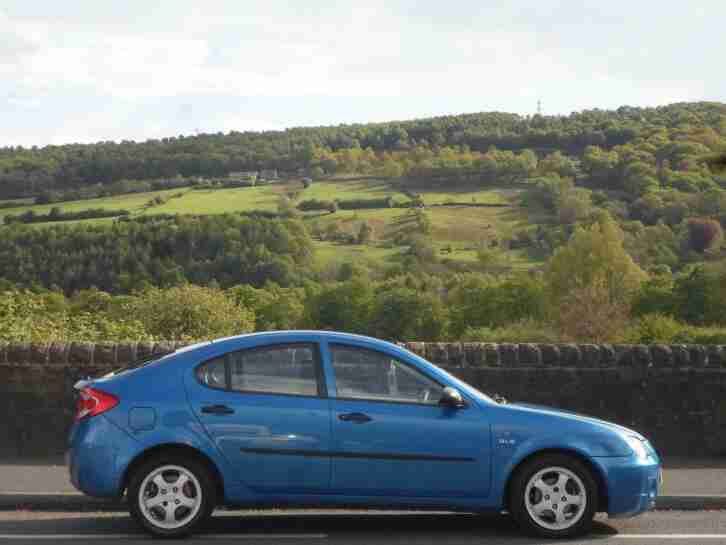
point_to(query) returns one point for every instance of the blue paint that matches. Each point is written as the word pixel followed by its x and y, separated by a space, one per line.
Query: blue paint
pixel 295 449
pixel 142 419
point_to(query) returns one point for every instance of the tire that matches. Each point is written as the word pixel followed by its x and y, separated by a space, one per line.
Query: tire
pixel 554 496
pixel 169 511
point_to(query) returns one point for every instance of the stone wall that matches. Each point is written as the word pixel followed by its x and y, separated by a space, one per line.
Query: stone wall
pixel 675 395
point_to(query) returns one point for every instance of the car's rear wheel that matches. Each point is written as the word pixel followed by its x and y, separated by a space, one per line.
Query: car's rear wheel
pixel 554 496
pixel 170 496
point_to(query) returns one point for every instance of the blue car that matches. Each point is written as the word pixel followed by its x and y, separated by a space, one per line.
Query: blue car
pixel 320 418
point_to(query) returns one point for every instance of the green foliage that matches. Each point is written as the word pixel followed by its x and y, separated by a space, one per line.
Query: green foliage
pixel 360 204
pixel 656 297
pixel 190 313
pixel 122 256
pixel 315 204
pixel 402 313
pixel 655 328
pixel 343 306
pixel 593 256
pixel 364 233
pixel 274 307
pixel 483 147
pixel 56 214
pixel 477 301
pixel 525 331
pixel 47 316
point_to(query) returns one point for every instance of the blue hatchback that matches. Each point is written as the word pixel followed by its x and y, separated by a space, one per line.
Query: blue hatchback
pixel 321 418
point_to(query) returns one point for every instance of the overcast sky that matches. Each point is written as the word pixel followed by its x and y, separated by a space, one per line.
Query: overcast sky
pixel 84 71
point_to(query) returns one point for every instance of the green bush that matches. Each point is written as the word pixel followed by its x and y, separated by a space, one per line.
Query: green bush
pixel 525 331
pixel 655 328
pixel 190 312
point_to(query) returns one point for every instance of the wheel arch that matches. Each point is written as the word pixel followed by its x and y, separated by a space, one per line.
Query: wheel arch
pixel 175 448
pixel 602 491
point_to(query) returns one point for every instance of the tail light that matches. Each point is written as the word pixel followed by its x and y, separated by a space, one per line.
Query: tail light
pixel 92 402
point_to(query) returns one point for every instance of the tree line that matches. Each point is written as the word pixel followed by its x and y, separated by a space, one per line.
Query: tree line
pixel 665 141
pixel 156 251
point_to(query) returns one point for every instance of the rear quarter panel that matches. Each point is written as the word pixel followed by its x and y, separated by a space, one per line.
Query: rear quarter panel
pixel 157 392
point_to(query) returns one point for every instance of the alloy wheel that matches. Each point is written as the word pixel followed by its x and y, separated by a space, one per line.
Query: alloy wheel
pixel 170 496
pixel 555 498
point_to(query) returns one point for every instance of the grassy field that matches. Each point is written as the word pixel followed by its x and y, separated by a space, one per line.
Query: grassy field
pixel 352 189
pixel 134 202
pixel 220 201
pixel 456 231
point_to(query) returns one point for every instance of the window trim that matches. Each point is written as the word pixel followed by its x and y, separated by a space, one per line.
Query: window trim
pixel 322 389
pixel 331 346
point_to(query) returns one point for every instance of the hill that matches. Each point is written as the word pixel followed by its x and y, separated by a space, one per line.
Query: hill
pixel 674 133
pixel 459 222
pixel 489 192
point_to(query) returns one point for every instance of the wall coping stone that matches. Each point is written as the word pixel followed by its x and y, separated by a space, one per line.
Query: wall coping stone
pixel 455 354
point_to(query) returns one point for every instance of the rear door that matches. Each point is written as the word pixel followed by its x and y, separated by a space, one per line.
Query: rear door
pixel 267 411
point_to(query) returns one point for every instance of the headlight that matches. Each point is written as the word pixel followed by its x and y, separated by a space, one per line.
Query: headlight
pixel 637 445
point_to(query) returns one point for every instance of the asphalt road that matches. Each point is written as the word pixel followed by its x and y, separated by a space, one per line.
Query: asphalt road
pixel 358 528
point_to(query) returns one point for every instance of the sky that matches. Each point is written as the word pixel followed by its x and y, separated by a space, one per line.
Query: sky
pixel 88 71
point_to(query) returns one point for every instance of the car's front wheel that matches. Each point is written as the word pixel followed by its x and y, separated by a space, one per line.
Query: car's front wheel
pixel 554 496
pixel 170 496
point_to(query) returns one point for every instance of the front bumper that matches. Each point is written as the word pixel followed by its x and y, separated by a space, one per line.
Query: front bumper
pixel 632 484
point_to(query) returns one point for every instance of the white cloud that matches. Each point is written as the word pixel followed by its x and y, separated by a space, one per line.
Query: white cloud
pixel 416 57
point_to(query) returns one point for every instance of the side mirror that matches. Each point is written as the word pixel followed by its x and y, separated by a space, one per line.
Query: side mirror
pixel 451 397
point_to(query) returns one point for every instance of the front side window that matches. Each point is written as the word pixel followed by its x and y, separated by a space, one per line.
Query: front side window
pixel 367 374
pixel 283 369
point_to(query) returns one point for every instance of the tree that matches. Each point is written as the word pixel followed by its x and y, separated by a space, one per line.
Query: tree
pixel 406 314
pixel 274 307
pixel 344 306
pixel 589 314
pixel 392 169
pixel 640 178
pixel 191 313
pixel 477 301
pixel 364 233
pixel 285 207
pixel 704 234
pixel 593 264
pixel 557 163
pixel 717 162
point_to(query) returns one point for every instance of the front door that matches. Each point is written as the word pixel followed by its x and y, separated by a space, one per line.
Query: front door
pixel 265 409
pixel 391 437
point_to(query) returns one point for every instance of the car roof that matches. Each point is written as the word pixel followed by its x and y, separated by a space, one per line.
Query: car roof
pixel 336 335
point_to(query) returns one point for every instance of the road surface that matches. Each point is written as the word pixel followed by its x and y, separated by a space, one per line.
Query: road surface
pixel 358 528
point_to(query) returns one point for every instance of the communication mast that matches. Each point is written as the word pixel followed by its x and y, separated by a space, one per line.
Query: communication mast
pixel 539 106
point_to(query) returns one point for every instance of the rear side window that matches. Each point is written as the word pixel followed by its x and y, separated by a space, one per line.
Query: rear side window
pixel 213 373
pixel 291 369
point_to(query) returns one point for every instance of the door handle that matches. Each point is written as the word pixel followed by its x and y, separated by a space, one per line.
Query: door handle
pixel 356 418
pixel 217 409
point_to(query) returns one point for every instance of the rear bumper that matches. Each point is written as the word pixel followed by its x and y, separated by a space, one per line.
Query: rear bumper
pixel 632 484
pixel 97 455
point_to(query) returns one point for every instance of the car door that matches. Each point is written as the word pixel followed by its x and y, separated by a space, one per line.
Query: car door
pixel 391 436
pixel 266 410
